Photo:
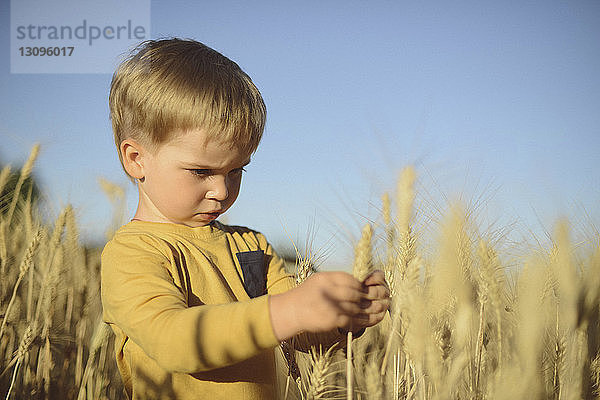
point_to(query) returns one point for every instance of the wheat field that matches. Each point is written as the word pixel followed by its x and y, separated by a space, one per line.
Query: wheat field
pixel 469 319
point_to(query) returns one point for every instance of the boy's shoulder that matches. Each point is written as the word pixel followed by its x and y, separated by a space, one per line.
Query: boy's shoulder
pixel 237 229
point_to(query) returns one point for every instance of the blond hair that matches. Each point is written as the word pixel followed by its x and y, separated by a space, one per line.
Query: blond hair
pixel 166 87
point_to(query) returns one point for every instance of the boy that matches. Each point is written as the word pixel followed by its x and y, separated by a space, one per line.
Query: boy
pixel 198 306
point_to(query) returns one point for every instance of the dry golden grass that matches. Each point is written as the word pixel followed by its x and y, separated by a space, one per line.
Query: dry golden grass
pixel 468 321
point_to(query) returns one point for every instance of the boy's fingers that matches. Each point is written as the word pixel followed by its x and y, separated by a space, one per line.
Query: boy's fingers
pixel 339 278
pixel 367 320
pixel 344 293
pixel 377 292
pixel 354 303
pixel 344 307
pixel 375 307
pixel 376 277
pixel 353 293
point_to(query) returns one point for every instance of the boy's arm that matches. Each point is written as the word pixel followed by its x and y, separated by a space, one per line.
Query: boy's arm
pixel 138 295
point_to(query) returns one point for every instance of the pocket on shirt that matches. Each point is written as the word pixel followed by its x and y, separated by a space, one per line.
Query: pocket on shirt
pixel 253 268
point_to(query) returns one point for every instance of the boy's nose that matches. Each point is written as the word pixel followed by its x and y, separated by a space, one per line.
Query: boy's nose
pixel 218 191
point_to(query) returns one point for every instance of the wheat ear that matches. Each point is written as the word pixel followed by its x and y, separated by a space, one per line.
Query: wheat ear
pixel 24 346
pixel 4 175
pixel 49 275
pixel 363 257
pixel 406 246
pixel 320 371
pixel 23 268
pixel 363 262
pixel 25 172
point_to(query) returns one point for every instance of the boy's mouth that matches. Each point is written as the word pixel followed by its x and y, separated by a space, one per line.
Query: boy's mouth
pixel 210 215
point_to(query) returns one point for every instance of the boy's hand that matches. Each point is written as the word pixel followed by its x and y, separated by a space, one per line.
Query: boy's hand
pixel 330 300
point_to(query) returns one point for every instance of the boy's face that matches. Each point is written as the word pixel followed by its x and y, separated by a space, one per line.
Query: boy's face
pixel 189 180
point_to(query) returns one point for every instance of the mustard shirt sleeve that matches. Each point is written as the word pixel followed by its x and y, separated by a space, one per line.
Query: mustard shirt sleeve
pixel 139 296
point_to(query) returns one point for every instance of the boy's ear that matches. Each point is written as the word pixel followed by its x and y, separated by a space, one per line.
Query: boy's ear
pixel 132 153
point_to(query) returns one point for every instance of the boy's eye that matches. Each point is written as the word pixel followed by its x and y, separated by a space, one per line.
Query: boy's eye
pixel 207 172
pixel 200 172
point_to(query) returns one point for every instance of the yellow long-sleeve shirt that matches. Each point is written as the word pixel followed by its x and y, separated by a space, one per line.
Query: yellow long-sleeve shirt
pixel 190 312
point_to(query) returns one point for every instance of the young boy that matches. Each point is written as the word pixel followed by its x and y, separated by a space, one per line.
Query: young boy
pixel 197 306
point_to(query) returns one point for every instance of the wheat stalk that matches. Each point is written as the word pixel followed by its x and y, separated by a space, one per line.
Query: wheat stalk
pixel 100 338
pixel 3 250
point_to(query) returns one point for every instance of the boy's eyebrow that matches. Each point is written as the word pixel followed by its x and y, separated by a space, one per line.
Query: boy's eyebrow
pixel 199 166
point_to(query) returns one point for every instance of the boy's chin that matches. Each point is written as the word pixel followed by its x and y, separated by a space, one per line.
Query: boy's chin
pixel 193 224
pixel 202 220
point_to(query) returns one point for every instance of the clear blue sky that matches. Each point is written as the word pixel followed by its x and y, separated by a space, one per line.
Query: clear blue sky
pixel 500 99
